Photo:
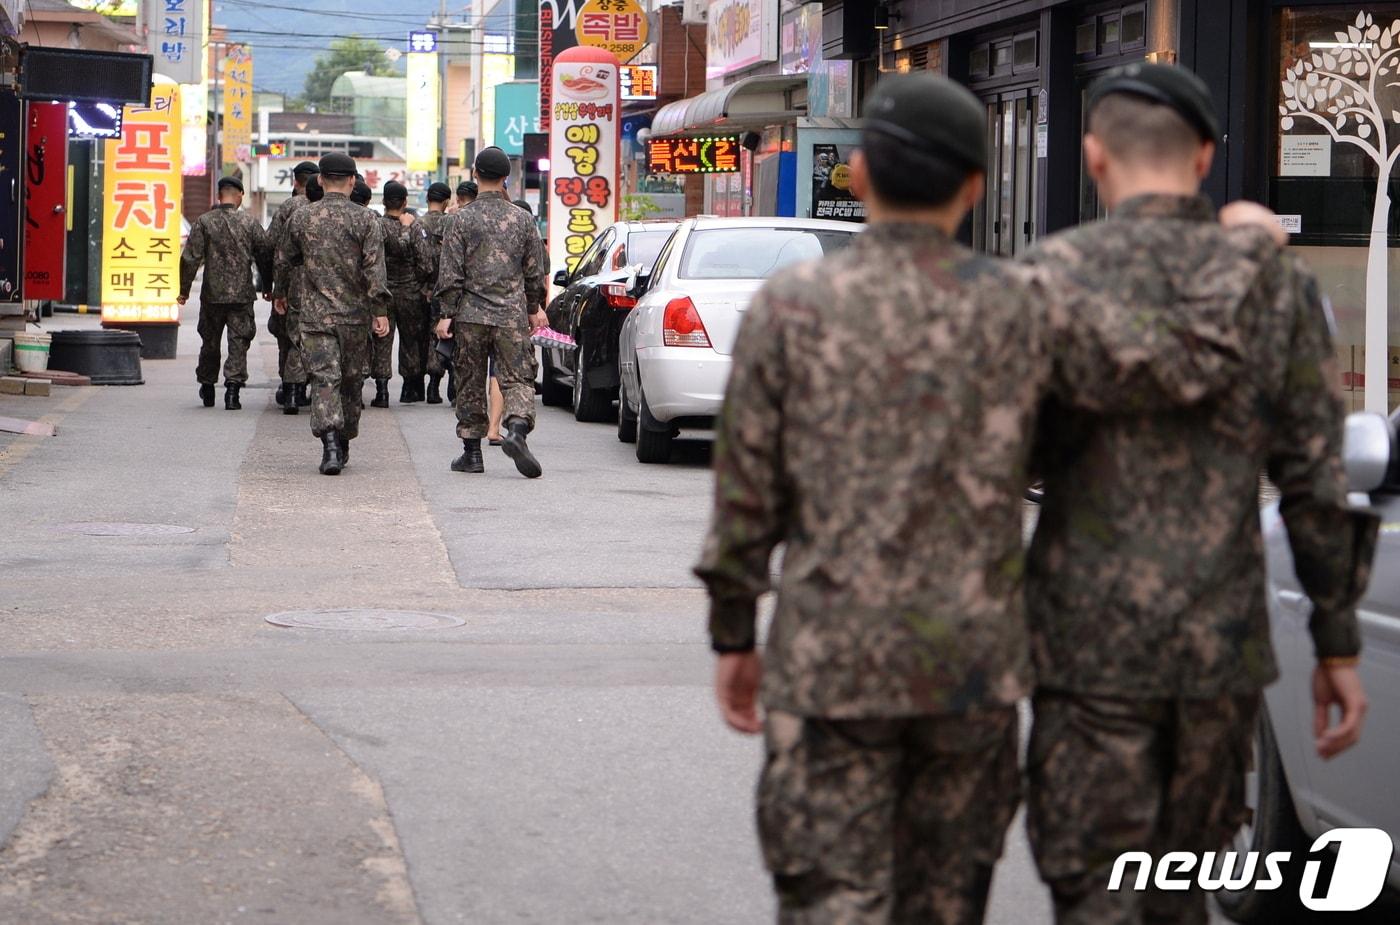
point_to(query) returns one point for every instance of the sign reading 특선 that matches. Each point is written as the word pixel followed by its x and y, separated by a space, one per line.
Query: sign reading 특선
pixel 583 142
pixel 694 155
pixel 141 212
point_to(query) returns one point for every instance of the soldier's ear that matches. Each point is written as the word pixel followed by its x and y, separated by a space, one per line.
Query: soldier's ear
pixel 1204 157
pixel 1095 157
pixel 860 175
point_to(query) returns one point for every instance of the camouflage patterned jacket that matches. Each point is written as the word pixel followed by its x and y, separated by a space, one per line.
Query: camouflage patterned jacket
pixel 401 262
pixel 276 230
pixel 430 228
pixel 1146 574
pixel 228 243
pixel 489 270
pixel 340 247
pixel 879 420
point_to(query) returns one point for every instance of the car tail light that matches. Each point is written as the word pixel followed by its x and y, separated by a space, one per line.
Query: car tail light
pixel 682 326
pixel 617 296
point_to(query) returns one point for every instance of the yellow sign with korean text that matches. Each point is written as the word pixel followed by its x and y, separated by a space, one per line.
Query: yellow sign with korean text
pixel 423 109
pixel 238 104
pixel 620 26
pixel 141 211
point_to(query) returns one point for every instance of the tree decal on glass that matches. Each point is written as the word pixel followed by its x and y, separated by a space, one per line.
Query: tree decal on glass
pixel 1341 88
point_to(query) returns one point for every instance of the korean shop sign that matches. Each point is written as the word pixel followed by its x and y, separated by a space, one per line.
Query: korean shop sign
pixel 175 38
pixel 238 105
pixel 739 35
pixel 719 154
pixel 620 26
pixel 583 142
pixel 141 210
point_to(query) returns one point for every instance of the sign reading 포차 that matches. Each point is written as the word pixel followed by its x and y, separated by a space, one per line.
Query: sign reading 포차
pixel 141 211
pixel 583 143
pixel 694 155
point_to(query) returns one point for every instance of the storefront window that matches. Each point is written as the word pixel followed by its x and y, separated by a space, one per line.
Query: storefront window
pixel 1332 177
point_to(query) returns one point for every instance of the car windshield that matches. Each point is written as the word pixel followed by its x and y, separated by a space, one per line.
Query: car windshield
pixel 643 246
pixel 756 253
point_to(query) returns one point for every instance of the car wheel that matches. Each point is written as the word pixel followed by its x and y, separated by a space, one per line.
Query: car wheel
pixel 654 438
pixel 626 417
pixel 1275 828
pixel 591 406
pixel 552 393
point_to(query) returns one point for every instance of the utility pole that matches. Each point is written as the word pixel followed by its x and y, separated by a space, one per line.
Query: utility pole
pixel 218 166
pixel 442 89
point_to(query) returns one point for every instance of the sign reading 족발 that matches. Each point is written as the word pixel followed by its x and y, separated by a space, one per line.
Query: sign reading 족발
pixel 583 143
pixel 718 154
pixel 141 211
pixel 620 26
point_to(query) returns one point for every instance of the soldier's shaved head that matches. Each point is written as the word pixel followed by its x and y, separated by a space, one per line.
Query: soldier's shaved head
pixel 1138 131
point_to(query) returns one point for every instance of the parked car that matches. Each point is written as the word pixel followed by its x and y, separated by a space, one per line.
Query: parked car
pixel 676 343
pixel 1296 796
pixel 591 308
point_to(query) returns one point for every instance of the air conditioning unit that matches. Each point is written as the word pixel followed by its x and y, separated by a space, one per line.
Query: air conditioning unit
pixel 695 12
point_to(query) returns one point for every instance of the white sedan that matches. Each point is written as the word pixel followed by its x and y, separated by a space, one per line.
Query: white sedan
pixel 674 350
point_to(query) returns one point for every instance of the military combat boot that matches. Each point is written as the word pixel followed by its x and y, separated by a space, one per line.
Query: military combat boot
pixel 434 391
pixel 470 460
pixel 231 402
pixel 514 445
pixel 420 392
pixel 406 393
pixel 303 397
pixel 381 394
pixel 206 395
pixel 280 396
pixel 289 398
pixel 451 386
pixel 344 450
pixel 332 460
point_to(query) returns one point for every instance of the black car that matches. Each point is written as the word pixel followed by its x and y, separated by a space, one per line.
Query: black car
pixel 591 308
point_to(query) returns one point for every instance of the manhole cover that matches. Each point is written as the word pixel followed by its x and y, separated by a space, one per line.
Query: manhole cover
pixel 119 529
pixel 364 620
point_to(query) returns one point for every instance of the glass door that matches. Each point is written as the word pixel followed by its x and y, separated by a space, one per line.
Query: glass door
pixel 1005 221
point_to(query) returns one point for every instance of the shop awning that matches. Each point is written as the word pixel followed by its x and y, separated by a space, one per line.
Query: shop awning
pixel 751 103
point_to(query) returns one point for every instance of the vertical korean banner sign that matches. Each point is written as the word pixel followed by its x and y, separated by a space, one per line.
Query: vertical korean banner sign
pixel 45 190
pixel 583 141
pixel 238 105
pixel 141 212
pixel 422 88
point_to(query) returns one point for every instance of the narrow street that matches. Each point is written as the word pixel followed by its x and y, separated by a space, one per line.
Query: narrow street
pixel 169 755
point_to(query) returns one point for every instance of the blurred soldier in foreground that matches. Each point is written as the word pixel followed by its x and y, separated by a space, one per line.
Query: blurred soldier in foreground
pixel 403 265
pixel 431 228
pixel 286 327
pixel 489 280
pixel 1146 574
pixel 861 428
pixel 341 248
pixel 228 243
pixel 361 194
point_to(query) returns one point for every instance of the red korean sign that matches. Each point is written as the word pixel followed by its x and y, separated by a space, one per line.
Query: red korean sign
pixel 719 154
pixel 583 142
pixel 45 191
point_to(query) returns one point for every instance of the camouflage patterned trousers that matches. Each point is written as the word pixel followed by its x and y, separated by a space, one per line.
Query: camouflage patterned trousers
pixel 381 353
pixel 337 358
pixel 410 317
pixel 214 318
pixel 1110 775
pixel 515 370
pixel 886 820
pixel 287 329
pixel 436 365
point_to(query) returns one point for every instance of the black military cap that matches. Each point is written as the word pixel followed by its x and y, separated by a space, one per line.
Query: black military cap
pixel 394 191
pixel 467 188
pixel 439 192
pixel 933 115
pixel 492 164
pixel 305 169
pixel 314 193
pixel 1166 85
pixel 524 205
pixel 337 165
pixel 230 182
pixel 361 194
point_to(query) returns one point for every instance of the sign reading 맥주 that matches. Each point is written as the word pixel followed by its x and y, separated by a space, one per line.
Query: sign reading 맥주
pixel 583 143
pixel 175 38
pixel 141 211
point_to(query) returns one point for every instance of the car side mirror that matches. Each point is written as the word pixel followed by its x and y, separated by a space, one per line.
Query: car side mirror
pixel 561 278
pixel 1366 450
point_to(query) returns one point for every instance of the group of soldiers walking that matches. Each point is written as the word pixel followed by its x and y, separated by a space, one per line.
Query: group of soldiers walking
pixel 463 290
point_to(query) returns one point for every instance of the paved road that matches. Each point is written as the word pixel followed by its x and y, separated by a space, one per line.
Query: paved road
pixel 166 755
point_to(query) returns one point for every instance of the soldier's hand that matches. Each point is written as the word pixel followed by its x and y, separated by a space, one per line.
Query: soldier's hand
pixel 444 329
pixel 538 321
pixel 405 219
pixel 1241 212
pixel 737 676
pixel 1339 686
pixel 279 306
pixel 380 326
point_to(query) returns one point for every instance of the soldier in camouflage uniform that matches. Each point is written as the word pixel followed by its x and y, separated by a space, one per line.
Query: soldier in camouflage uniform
pixel 489 279
pixel 431 228
pixel 286 327
pixel 341 249
pixel 403 260
pixel 1145 578
pixel 228 243
pixel 862 427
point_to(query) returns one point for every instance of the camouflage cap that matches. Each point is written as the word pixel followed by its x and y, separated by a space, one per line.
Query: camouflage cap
pixel 1165 85
pixel 933 115
pixel 337 165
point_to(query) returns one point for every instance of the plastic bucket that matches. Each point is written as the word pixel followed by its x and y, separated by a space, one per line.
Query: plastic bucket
pixel 32 352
